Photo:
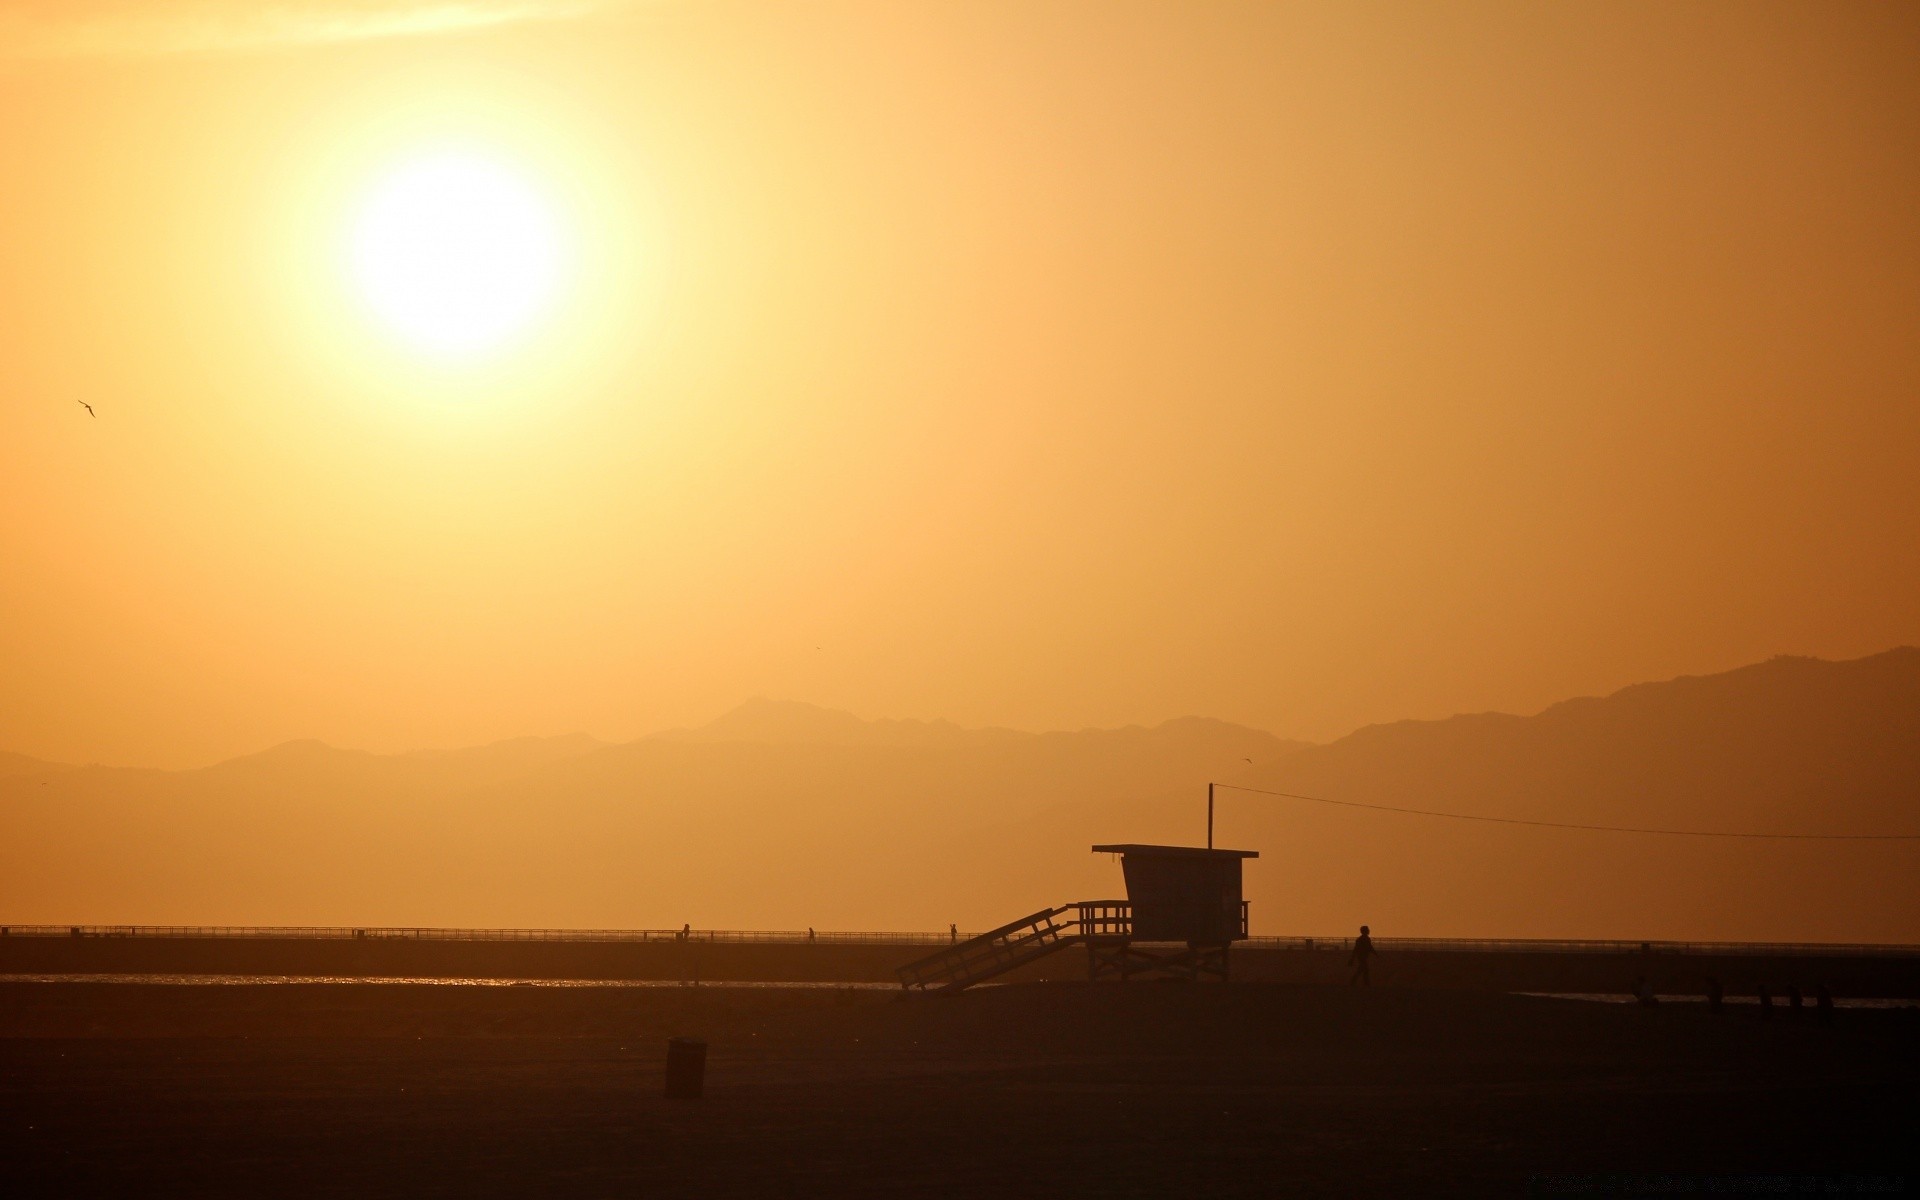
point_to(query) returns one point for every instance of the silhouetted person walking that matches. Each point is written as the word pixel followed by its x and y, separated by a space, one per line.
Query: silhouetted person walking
pixel 1643 992
pixel 1716 999
pixel 1823 1004
pixel 953 935
pixel 1793 998
pixel 1361 958
pixel 1766 1003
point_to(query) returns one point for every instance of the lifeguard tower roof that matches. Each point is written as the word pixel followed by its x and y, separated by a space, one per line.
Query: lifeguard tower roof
pixel 1173 851
pixel 1183 893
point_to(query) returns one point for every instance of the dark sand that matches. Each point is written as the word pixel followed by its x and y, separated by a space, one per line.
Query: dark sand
pixel 1029 1090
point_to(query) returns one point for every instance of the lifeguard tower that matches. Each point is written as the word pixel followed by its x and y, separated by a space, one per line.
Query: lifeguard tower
pixel 1183 911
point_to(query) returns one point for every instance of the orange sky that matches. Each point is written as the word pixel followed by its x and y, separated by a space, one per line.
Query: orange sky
pixel 1041 365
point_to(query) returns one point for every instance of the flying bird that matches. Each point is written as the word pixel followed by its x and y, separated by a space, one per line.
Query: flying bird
pixel 89 408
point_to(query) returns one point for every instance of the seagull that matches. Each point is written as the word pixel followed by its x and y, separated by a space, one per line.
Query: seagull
pixel 89 408
pixel 1247 761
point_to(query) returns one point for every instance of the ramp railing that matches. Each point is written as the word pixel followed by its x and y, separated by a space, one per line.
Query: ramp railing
pixel 1016 944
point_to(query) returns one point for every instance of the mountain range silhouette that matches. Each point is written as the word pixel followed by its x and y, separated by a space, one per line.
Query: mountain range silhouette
pixel 783 815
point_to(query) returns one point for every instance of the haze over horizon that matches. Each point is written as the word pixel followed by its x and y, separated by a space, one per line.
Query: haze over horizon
pixel 790 720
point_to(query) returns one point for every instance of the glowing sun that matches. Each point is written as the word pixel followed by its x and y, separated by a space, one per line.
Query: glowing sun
pixel 456 252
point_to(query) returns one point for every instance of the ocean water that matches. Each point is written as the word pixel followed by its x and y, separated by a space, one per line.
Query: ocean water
pixel 1779 1001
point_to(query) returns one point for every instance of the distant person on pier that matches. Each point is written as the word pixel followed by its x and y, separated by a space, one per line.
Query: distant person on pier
pixel 953 935
pixel 685 934
pixel 1794 998
pixel 1643 992
pixel 1362 958
pixel 1766 1003
pixel 809 933
pixel 1716 999
pixel 1823 1004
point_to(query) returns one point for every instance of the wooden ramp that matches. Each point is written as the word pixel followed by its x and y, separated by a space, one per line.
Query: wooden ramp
pixel 1016 944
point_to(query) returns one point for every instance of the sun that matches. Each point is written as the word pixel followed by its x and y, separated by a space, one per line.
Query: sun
pixel 456 252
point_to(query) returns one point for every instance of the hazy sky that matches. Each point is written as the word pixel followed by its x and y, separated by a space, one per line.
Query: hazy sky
pixel 1045 365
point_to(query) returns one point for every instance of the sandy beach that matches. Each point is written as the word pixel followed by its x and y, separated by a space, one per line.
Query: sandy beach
pixel 1026 1090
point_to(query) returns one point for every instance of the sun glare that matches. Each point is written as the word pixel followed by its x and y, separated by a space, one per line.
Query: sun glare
pixel 456 253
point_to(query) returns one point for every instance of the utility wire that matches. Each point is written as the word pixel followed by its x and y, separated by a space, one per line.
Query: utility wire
pixel 1699 833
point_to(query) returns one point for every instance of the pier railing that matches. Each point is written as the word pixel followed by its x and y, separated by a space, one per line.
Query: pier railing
pixel 1593 946
pixel 443 934
pixel 1107 921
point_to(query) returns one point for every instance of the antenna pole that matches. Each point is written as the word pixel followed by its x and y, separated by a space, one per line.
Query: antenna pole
pixel 1209 816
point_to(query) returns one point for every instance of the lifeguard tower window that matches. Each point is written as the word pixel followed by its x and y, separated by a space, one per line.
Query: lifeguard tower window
pixel 1183 893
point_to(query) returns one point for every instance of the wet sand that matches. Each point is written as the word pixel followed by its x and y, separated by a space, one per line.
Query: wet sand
pixel 1026 1090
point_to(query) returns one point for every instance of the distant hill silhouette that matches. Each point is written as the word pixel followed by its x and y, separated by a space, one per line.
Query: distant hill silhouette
pixel 867 823
pixel 1788 745
pixel 781 814
pixel 20 764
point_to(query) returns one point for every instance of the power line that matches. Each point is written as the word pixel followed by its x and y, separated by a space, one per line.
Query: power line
pixel 1699 833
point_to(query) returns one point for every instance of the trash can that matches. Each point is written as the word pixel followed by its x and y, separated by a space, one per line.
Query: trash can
pixel 686 1067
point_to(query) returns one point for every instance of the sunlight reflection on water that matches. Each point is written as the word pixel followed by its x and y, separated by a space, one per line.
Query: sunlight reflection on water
pixel 1779 1001
pixel 202 980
